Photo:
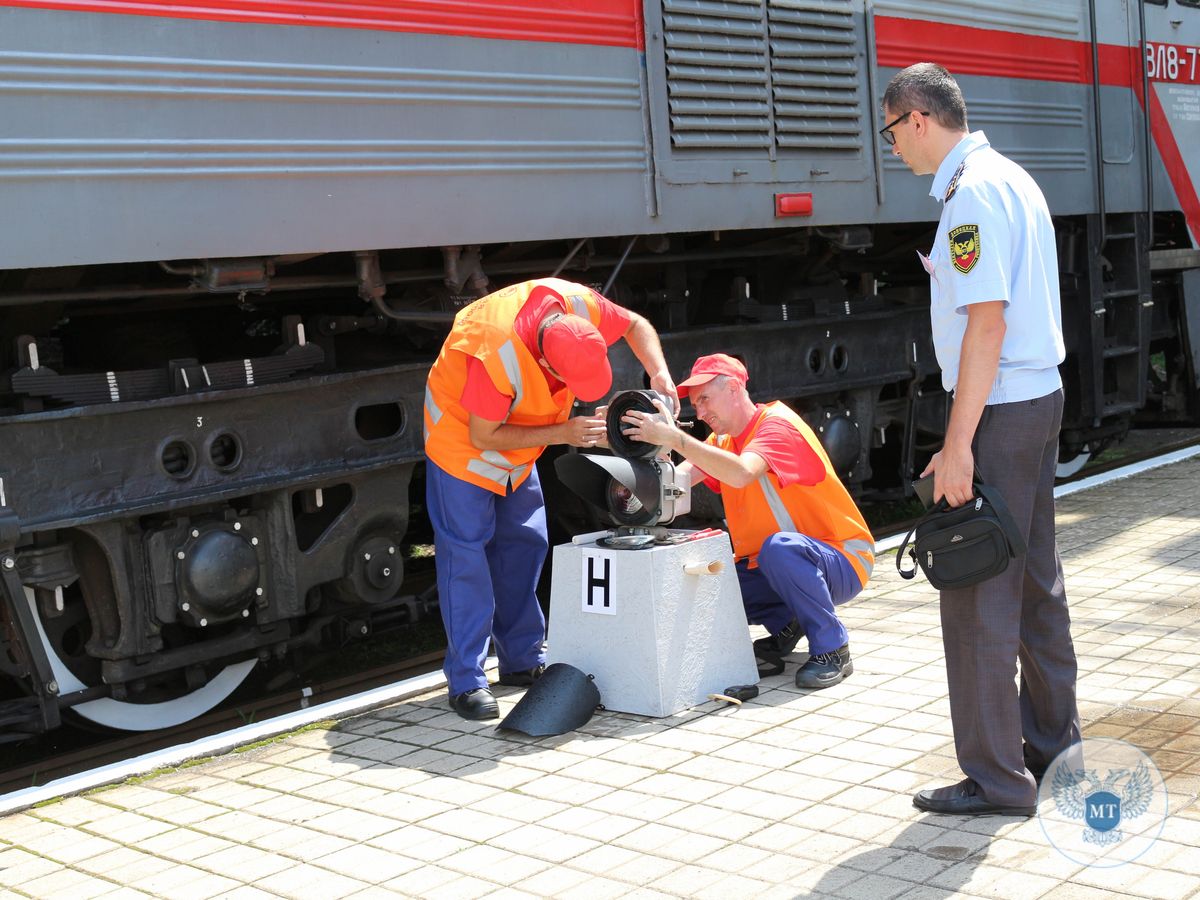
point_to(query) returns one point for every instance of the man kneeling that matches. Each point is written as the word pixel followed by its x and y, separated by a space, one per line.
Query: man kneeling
pixel 801 544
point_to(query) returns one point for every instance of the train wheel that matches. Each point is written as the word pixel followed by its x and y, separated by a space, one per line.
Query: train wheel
pixel 1068 467
pixel 64 638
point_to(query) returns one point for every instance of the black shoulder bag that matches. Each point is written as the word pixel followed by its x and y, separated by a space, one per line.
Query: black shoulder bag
pixel 959 547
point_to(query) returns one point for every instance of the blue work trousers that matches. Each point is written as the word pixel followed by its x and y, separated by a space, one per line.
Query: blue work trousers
pixel 490 550
pixel 800 578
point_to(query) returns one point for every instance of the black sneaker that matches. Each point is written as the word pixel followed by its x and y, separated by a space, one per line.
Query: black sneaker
pixel 523 678
pixel 770 651
pixel 475 704
pixel 825 669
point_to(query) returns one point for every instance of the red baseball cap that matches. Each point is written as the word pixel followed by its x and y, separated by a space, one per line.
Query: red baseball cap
pixel 574 348
pixel 707 368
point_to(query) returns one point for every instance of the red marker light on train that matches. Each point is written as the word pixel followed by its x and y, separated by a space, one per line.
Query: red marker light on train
pixel 793 205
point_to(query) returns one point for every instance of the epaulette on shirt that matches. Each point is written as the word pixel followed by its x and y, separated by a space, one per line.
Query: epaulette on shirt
pixel 953 185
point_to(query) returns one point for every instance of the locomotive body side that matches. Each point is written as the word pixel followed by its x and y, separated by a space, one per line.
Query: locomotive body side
pixel 243 138
pixel 236 232
pixel 135 137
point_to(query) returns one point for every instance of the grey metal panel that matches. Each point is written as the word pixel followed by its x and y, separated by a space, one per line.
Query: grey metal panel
pixel 1044 128
pixel 1038 123
pixel 734 56
pixel 716 61
pixel 1179 101
pixel 131 138
pixel 757 91
pixel 149 75
pixel 1048 137
pixel 24 160
pixel 1057 18
pixel 1121 121
pixel 247 139
pixel 815 63
pixel 1047 129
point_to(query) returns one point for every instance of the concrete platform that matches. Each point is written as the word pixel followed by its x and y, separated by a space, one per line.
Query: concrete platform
pixel 792 795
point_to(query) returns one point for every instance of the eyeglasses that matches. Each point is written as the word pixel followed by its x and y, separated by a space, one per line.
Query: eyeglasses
pixel 886 131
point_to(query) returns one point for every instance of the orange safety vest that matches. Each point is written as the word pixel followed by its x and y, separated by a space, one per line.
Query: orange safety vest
pixel 824 511
pixel 484 330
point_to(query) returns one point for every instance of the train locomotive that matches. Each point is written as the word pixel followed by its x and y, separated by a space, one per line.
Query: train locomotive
pixel 234 235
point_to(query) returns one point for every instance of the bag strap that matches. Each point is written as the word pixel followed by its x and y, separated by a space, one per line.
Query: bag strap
pixel 938 507
pixel 1012 534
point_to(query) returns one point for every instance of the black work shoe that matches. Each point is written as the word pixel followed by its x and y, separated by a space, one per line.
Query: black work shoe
pixel 475 704
pixel 770 650
pixel 964 799
pixel 524 678
pixel 826 669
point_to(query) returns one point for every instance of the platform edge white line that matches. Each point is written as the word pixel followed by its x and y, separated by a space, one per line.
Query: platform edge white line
pixel 1063 490
pixel 219 743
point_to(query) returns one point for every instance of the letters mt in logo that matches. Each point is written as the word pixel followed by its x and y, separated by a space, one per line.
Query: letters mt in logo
pixel 1101 808
pixel 1102 802
pixel 964 247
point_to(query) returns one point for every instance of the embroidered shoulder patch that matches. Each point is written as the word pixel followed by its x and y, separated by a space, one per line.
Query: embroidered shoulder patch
pixel 964 247
pixel 953 185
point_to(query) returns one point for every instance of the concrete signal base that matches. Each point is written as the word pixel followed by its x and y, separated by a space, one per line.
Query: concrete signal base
pixel 660 628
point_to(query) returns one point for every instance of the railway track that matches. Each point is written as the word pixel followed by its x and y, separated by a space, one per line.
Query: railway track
pixel 95 751
pixel 104 750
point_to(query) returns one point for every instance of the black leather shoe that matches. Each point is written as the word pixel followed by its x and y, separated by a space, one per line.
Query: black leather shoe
pixel 963 799
pixel 475 704
pixel 523 678
pixel 770 650
pixel 826 669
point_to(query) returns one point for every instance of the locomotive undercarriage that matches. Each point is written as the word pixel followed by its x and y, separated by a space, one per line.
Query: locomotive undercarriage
pixel 143 622
pixel 182 541
pixel 208 464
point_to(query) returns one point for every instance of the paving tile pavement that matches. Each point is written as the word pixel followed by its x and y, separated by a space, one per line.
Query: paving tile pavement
pixel 794 794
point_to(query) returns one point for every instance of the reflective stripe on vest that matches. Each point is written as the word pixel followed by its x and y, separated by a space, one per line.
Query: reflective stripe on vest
pixel 775 503
pixel 431 407
pixel 579 306
pixel 492 465
pixel 864 550
pixel 512 368
pixel 484 331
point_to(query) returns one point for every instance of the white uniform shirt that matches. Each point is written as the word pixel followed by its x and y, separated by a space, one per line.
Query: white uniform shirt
pixel 995 241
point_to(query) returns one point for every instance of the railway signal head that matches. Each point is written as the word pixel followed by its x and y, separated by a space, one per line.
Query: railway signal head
pixel 634 486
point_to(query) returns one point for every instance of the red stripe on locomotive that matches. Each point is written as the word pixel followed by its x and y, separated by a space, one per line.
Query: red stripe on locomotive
pixel 980 51
pixel 1004 54
pixel 614 23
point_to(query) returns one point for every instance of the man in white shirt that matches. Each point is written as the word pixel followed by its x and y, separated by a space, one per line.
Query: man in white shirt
pixel 997 332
